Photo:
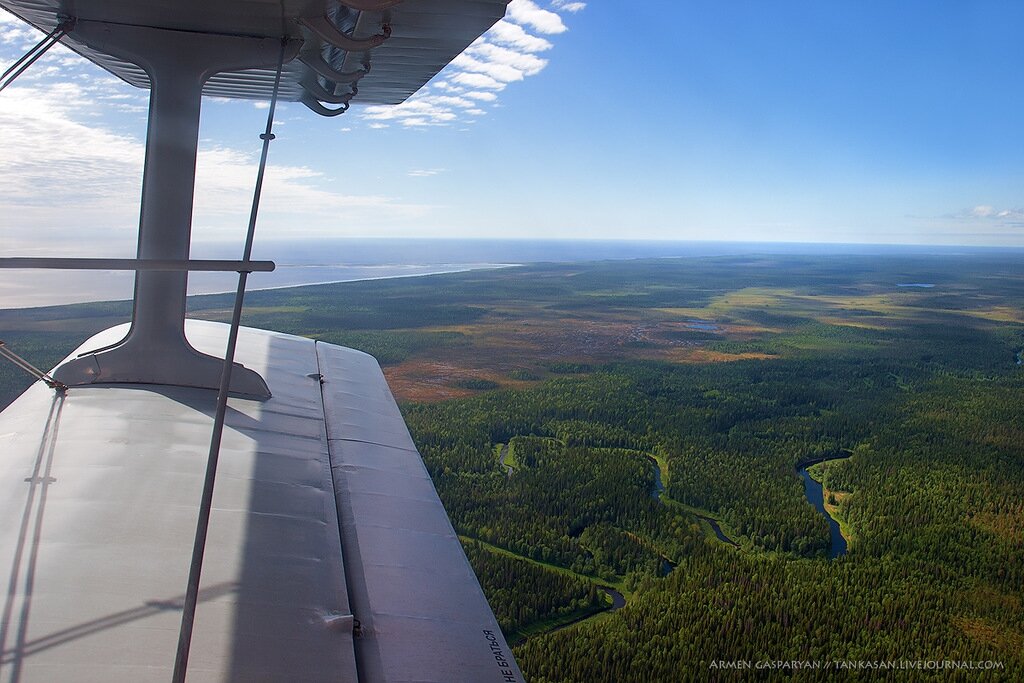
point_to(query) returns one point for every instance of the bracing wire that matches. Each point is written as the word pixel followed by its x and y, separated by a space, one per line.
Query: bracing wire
pixel 202 525
pixel 30 57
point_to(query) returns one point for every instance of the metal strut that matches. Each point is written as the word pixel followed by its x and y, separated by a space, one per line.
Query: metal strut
pixel 188 614
pixel 155 349
pixel 40 49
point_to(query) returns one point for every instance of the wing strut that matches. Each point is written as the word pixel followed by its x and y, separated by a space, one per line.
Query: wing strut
pixel 178 63
pixel 188 614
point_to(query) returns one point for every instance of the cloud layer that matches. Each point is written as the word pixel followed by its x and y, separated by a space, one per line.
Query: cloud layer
pixel 506 54
pixel 72 147
pixel 991 216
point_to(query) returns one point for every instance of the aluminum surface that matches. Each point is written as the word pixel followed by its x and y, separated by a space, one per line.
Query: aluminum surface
pixel 423 613
pixel 98 496
pixel 99 510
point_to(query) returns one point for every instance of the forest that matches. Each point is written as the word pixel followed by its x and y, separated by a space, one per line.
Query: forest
pixel 632 402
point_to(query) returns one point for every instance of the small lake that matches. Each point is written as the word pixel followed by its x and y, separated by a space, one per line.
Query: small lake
pixel 702 325
pixel 816 496
pixel 922 285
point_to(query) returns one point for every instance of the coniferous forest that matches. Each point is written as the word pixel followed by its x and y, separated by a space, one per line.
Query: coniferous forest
pixel 631 431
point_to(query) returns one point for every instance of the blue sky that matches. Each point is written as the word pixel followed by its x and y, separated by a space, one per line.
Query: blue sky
pixel 840 121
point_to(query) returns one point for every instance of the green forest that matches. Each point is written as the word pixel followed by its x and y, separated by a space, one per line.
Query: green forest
pixel 634 401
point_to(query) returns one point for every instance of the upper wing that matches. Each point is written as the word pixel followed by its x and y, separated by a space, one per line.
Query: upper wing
pixel 422 37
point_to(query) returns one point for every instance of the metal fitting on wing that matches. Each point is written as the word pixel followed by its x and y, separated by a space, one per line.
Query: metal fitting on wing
pixel 343 623
pixel 315 61
pixel 325 29
pixel 317 107
pixel 313 87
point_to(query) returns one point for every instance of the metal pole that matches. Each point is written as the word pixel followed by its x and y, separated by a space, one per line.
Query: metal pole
pixel 30 369
pixel 30 57
pixel 202 526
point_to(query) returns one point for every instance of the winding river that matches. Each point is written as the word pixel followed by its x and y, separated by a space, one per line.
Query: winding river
pixel 812 489
pixel 718 531
pixel 659 488
pixel 816 496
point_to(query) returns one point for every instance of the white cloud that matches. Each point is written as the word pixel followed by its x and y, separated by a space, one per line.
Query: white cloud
pixel 524 62
pixel 989 212
pixel 983 219
pixel 427 110
pixel 424 172
pixel 494 70
pixel 505 54
pixel 445 85
pixel 44 176
pixel 507 33
pixel 73 187
pixel 452 101
pixel 96 180
pixel 568 6
pixel 526 12
pixel 478 81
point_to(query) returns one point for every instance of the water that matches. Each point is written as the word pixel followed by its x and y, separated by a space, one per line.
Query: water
pixel 659 486
pixel 923 285
pixel 28 288
pixel 815 495
pixel 702 325
pixel 618 599
pixel 718 531
pixel 318 261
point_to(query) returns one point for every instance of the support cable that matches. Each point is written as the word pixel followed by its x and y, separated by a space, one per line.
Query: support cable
pixel 202 525
pixel 6 352
pixel 30 57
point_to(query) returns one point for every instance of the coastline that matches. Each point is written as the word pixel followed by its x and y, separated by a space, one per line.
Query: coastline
pixel 12 298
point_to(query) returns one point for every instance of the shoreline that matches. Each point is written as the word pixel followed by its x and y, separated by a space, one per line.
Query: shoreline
pixel 491 266
pixel 220 292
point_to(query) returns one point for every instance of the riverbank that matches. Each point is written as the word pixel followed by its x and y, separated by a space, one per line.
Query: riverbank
pixel 660 464
pixel 615 591
pixel 826 501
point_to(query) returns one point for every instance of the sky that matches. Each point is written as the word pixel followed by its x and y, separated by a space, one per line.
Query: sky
pixel 846 121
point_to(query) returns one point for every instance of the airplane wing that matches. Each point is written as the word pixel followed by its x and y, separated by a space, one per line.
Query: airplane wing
pixel 329 555
pixel 422 37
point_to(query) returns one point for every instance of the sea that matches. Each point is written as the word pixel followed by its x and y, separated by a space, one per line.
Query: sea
pixel 307 262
